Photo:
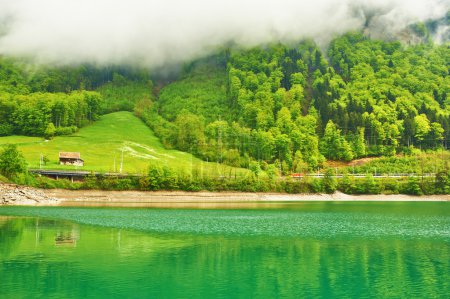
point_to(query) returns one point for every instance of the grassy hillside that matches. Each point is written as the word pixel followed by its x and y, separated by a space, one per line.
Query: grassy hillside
pixel 102 143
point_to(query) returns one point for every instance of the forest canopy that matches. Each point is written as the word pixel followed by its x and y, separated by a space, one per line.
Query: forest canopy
pixel 295 106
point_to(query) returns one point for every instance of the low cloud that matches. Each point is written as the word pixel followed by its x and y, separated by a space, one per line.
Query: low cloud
pixel 157 32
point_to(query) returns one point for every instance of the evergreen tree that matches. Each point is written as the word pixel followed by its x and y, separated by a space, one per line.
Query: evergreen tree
pixel 359 145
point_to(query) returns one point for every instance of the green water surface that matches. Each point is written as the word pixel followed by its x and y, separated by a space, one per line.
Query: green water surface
pixel 302 250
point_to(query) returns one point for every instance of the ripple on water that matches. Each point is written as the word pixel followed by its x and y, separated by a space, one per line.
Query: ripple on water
pixel 311 251
pixel 327 221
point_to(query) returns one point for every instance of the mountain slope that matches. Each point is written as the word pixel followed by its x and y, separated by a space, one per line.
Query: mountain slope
pixel 295 106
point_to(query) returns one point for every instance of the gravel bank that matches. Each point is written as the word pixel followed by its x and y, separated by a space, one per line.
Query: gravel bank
pixel 20 195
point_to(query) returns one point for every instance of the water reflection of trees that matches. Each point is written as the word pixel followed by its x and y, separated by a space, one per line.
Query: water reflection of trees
pixel 11 229
pixel 181 265
pixel 301 268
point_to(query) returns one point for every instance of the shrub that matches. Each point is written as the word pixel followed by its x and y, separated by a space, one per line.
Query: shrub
pixel 442 184
pixel 412 187
pixel 347 184
pixel 370 185
pixel 391 186
pixel 65 130
pixel 316 186
pixel 329 181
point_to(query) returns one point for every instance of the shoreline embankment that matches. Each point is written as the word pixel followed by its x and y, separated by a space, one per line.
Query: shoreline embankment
pixel 11 194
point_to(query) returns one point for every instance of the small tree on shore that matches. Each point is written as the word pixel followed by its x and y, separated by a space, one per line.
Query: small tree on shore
pixel 12 161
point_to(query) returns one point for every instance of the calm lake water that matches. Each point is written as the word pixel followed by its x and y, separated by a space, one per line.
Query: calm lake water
pixel 301 250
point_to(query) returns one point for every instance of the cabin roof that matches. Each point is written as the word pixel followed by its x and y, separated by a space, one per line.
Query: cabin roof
pixel 69 155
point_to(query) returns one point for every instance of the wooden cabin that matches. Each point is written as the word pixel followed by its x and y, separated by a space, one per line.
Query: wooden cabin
pixel 297 175
pixel 70 158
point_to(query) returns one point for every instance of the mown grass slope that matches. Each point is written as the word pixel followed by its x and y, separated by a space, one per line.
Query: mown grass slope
pixel 102 143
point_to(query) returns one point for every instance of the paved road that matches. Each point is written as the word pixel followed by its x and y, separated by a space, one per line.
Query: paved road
pixel 77 173
pixel 82 174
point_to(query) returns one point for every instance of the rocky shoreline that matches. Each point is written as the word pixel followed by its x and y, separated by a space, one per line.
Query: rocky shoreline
pixel 11 194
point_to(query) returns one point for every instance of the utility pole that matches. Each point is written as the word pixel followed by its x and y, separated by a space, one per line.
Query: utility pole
pixel 220 140
pixel 279 159
pixel 121 162
pixel 115 169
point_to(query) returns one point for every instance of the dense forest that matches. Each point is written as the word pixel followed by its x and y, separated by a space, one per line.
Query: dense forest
pixel 293 107
pixel 276 107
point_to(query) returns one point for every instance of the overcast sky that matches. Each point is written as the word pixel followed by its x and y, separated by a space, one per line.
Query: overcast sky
pixel 154 32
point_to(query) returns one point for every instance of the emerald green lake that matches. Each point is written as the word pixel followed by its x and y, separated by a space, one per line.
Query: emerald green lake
pixel 297 250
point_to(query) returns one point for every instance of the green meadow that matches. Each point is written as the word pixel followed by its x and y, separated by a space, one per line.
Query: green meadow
pixel 103 143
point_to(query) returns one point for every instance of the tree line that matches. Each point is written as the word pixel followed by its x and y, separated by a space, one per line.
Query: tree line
pixel 47 114
pixel 48 101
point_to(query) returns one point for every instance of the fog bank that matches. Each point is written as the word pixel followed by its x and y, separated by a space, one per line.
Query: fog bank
pixel 156 32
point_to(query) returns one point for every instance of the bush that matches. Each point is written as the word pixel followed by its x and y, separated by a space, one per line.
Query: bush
pixel 391 186
pixel 412 187
pixel 442 184
pixel 65 130
pixel 329 182
pixel 371 186
pixel 428 186
pixel 47 184
pixel 291 186
pixel 90 182
pixel 347 184
pixel 124 184
pixel 316 186
pixel 50 131
pixel 6 129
